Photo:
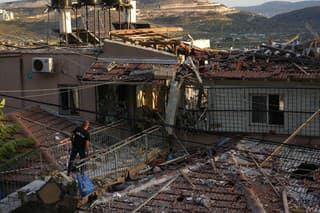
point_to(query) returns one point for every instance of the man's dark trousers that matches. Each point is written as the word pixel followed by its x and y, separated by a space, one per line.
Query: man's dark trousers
pixel 74 152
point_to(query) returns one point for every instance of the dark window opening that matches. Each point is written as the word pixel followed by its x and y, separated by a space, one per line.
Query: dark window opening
pixel 267 109
pixel 69 101
pixel 259 109
pixel 276 115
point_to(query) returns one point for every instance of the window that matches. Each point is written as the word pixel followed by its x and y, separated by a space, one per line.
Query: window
pixel 267 109
pixel 69 101
pixel 147 95
pixel 259 109
pixel 195 98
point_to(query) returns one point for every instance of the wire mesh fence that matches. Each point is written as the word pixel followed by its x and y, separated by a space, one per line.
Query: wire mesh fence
pixel 250 109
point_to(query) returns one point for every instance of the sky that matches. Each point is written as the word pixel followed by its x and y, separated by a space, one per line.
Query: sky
pixel 233 3
pixel 230 3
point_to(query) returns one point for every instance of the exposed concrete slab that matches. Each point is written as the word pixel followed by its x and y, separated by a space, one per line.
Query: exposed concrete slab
pixel 137 54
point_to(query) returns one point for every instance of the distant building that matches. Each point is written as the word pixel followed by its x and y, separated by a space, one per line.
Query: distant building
pixel 202 43
pixel 6 15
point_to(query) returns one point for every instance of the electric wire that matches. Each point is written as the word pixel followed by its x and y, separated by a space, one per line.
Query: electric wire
pixel 205 145
pixel 66 91
pixel 40 90
pixel 102 114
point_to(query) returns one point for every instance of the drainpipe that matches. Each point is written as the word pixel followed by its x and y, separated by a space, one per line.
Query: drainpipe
pixel 22 81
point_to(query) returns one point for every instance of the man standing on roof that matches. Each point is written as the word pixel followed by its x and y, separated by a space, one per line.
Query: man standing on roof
pixel 80 139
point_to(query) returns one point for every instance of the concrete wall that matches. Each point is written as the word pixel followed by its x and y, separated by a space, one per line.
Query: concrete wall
pixel 16 74
pixel 10 78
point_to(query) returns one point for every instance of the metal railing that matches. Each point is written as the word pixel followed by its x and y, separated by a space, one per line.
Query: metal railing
pixel 100 139
pixel 115 161
pixel 59 153
pixel 19 171
pixel 27 167
pixel 103 137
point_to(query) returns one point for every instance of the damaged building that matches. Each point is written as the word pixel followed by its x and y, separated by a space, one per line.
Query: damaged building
pixel 248 93
pixel 174 127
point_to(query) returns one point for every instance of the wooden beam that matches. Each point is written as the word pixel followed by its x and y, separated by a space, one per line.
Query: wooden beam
pixel 172 61
pixel 265 175
pixel 147 30
pixel 214 168
pixel 285 201
pixel 301 69
pixel 195 69
pixel 288 140
pixel 186 177
pixel 253 201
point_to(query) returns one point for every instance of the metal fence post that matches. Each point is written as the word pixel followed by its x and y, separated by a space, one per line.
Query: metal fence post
pixel 116 162
pixel 146 146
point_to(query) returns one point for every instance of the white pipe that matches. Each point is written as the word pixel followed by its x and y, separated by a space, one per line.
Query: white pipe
pixel 65 22
pixel 133 11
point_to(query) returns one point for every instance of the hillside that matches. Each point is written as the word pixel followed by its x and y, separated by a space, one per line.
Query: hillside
pixel 229 27
pixel 202 19
pixel 273 8
pixel 24 4
pixel 300 17
pixel 164 8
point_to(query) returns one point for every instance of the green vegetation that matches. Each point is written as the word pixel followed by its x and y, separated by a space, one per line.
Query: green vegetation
pixel 6 131
pixel 10 148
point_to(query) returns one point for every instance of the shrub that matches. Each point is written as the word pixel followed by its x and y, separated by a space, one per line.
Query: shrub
pixel 9 149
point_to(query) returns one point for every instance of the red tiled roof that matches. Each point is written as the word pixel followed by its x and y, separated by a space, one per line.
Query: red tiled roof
pixel 226 65
pixel 248 67
pixel 214 194
pixel 262 75
pixel 45 136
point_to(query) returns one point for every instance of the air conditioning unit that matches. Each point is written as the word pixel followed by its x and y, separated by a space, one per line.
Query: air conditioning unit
pixel 43 65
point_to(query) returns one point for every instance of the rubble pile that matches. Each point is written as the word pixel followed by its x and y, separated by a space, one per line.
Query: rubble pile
pixel 267 62
pixel 235 182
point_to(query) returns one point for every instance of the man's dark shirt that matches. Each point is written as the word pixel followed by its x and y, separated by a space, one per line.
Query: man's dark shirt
pixel 80 138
